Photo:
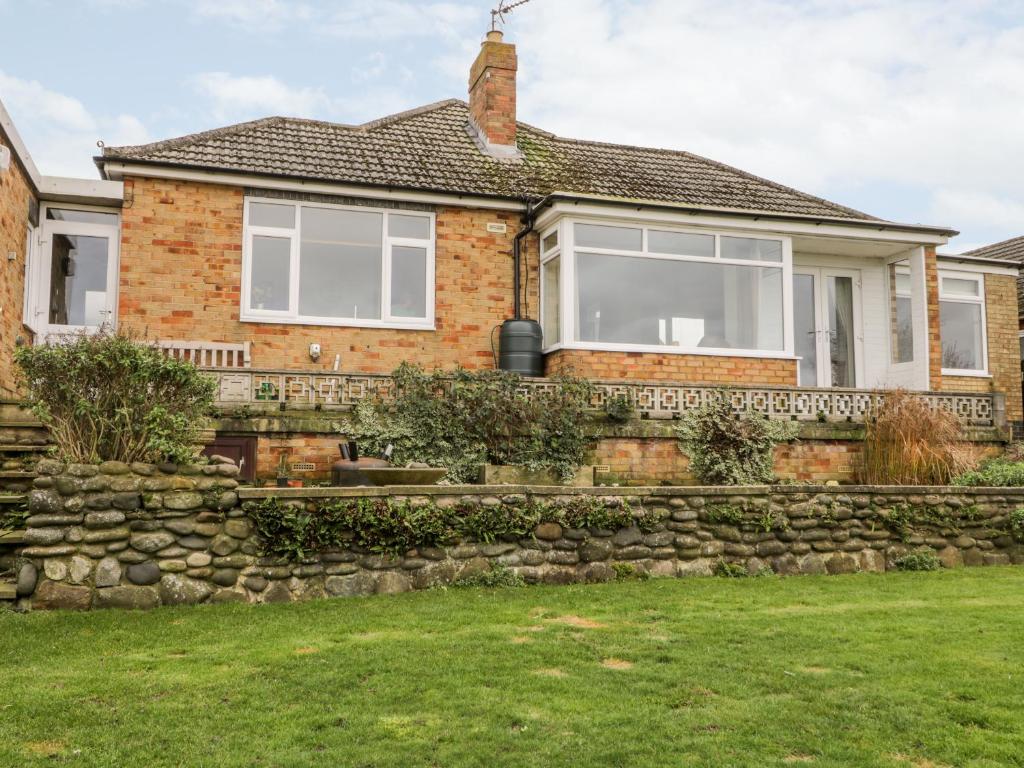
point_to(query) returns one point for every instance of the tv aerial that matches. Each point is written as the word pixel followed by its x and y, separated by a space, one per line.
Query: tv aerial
pixel 504 7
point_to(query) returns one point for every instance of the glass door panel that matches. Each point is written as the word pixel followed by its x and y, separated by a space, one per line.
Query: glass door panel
pixel 78 280
pixel 825 318
pixel 840 330
pixel 805 328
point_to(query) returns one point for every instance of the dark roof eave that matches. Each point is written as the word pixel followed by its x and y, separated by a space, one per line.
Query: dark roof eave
pixel 101 160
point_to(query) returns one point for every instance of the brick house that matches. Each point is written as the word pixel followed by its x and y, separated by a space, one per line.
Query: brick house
pixel 302 261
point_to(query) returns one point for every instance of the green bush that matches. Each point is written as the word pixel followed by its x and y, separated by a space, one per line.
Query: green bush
pixel 620 408
pixel 729 570
pixel 393 527
pixel 1000 472
pixel 108 396
pixel 1017 524
pixel 497 576
pixel 463 419
pixel 726 449
pixel 921 560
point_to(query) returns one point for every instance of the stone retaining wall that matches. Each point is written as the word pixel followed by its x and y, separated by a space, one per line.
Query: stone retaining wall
pixel 140 536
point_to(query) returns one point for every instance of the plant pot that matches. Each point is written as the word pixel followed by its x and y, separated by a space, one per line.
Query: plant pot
pixel 282 482
pixel 502 474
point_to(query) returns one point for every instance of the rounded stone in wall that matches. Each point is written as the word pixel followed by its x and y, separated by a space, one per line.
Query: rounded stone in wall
pixel 144 573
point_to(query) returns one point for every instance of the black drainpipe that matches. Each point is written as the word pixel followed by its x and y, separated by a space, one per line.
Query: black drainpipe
pixel 528 219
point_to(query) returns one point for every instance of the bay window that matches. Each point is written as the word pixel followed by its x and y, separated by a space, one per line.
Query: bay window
pixel 324 264
pixel 651 288
pixel 962 323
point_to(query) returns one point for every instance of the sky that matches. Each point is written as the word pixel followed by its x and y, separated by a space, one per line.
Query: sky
pixel 912 111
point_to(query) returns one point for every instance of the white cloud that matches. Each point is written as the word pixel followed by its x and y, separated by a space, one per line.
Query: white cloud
pixel 254 15
pixel 60 131
pixel 235 98
pixel 814 94
pixel 238 97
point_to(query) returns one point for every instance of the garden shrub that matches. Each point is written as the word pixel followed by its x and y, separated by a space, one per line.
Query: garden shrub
pixel 109 396
pixel 620 408
pixel 462 419
pixel 497 576
pixel 906 442
pixel 1016 523
pixel 1000 472
pixel 393 527
pixel 726 449
pixel 921 560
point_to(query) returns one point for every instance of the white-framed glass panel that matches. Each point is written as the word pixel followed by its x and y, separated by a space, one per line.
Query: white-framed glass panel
pixel 550 291
pixel 325 264
pixel 962 323
pixel 901 320
pixel 73 284
pixel 550 241
pixel 271 273
pixel 662 288
pixel 687 304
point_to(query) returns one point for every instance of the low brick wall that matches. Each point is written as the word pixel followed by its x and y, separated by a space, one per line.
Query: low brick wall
pixel 140 536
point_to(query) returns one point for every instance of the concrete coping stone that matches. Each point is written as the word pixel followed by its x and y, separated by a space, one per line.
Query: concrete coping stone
pixel 660 490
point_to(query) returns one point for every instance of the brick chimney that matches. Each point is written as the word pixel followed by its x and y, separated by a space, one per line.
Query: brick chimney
pixel 492 96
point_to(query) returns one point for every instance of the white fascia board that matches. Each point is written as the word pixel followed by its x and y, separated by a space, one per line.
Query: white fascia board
pixel 656 213
pixel 119 170
pixel 18 147
pixel 974 264
pixel 60 189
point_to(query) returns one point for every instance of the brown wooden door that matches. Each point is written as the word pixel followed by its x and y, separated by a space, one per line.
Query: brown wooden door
pixel 241 448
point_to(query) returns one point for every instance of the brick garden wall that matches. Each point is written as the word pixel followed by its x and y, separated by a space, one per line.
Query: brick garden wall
pixel 140 536
pixel 181 276
pixel 690 369
pixel 15 194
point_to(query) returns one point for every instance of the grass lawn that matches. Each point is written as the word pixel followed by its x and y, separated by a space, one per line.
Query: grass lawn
pixel 905 670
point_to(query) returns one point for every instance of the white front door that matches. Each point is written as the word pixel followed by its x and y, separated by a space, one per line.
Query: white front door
pixel 76 272
pixel 826 315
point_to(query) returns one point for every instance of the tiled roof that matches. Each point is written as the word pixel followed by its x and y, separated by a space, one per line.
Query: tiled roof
pixel 1007 250
pixel 431 149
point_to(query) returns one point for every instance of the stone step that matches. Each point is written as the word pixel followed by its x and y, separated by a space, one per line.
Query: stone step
pixel 16 474
pixel 11 498
pixel 8 591
pixel 16 448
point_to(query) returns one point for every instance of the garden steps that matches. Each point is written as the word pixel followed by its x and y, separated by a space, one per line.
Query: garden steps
pixel 8 591
pixel 23 448
pixel 12 538
pixel 16 474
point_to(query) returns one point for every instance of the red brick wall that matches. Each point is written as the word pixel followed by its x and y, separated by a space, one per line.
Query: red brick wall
pixel 15 194
pixel 181 267
pixel 1003 347
pixel 690 369
pixel 492 91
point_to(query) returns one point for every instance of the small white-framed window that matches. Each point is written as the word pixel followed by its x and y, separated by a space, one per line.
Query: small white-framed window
pixel 317 263
pixel 550 288
pixel 962 323
pixel 901 318
pixel 648 287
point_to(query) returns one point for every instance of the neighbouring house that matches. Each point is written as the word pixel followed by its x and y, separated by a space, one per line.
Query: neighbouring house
pixel 301 261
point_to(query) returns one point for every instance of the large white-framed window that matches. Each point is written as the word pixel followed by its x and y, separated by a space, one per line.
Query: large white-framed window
pixel 962 323
pixel 645 287
pixel 318 263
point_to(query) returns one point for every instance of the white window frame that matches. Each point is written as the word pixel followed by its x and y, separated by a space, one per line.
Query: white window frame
pixel 567 299
pixel 545 257
pixel 978 300
pixel 293 235
pixel 892 291
pixel 36 315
